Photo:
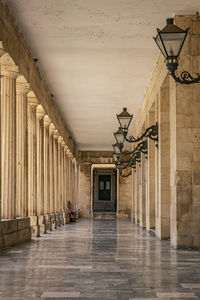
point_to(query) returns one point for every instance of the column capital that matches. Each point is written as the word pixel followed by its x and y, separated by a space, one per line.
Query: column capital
pixel 63 144
pixel 66 148
pixel 52 128
pixel 2 51
pixel 8 67
pixel 56 134
pixel 60 139
pixel 47 121
pixel 22 86
pixel 40 112
pixel 32 99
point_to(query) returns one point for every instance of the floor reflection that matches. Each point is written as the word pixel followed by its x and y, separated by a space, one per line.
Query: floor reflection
pixel 100 259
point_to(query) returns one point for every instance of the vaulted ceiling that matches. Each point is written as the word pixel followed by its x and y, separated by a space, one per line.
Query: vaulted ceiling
pixel 97 56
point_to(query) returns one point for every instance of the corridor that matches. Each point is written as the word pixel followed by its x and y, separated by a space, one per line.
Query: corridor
pixel 100 259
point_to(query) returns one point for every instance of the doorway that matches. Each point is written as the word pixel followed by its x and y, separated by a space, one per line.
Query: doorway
pixel 104 190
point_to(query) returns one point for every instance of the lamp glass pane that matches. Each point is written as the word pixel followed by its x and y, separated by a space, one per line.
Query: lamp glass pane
pixel 124 122
pixel 160 45
pixel 115 157
pixel 173 42
pixel 119 138
pixel 116 149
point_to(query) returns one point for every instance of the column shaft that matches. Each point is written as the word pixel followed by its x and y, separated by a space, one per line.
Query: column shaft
pixel 51 167
pixel 32 155
pixel 47 122
pixel 55 154
pixel 8 138
pixel 22 153
pixel 40 159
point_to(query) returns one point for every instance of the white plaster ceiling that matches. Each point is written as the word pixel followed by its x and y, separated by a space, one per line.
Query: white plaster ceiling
pixel 97 56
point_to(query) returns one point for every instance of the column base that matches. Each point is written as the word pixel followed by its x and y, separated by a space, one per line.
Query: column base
pixel 35 228
pixel 57 223
pixel 67 217
pixel 47 222
pixel 41 222
pixel 61 220
pixel 52 222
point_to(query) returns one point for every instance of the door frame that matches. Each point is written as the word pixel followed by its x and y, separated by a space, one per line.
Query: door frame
pixel 103 166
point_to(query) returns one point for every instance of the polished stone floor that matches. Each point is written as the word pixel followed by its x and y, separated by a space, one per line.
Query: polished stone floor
pixel 100 259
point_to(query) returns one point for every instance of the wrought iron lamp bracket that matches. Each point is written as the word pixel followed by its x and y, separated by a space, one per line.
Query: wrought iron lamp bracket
pixel 185 77
pixel 151 132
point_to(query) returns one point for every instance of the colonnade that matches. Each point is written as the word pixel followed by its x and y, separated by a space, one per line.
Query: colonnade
pixel 37 167
pixel 167 185
pixel 151 182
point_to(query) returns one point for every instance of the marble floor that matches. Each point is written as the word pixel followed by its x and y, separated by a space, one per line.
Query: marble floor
pixel 100 259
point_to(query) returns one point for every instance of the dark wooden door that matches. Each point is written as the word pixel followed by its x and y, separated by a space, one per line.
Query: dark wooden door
pixel 104 187
pixel 104 197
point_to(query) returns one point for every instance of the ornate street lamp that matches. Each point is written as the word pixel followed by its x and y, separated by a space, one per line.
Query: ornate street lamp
pixel 119 136
pixel 170 41
pixel 124 119
pixel 124 159
pixel 117 148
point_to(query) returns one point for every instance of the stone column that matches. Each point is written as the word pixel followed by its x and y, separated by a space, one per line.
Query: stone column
pixel 9 73
pixel 40 113
pixel 47 122
pixel 142 208
pixel 63 180
pixel 68 175
pixel 51 174
pixel 60 140
pixel 22 154
pixel 55 161
pixel 62 176
pixel 32 163
pixel 137 193
pixel 157 181
pixel 163 221
pixel 1 53
pixel 150 208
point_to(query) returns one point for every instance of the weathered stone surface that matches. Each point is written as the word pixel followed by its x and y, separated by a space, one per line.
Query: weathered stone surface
pixel 196 178
pixel 33 220
pixel 35 230
pixel 10 239
pixel 24 234
pixel 23 223
pixel 1 241
pixel 1 227
pixel 9 226
pixel 183 177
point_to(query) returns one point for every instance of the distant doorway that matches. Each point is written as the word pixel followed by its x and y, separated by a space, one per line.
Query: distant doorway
pixel 104 190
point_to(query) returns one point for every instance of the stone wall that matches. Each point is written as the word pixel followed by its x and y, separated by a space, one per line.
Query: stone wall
pixel 14 231
pixel 89 159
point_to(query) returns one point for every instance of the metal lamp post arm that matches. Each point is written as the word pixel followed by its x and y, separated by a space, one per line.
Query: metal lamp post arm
pixel 127 175
pixel 134 150
pixel 185 78
pixel 151 132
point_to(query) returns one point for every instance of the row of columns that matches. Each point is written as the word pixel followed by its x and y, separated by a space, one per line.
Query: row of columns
pixel 151 182
pixel 37 167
